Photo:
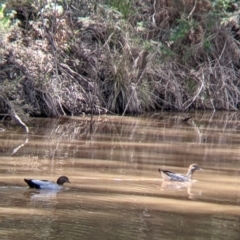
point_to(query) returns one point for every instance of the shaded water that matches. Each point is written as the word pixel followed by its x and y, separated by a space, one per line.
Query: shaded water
pixel 116 191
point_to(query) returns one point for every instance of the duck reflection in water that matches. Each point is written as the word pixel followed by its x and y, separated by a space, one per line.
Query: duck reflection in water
pixel 177 187
pixel 41 194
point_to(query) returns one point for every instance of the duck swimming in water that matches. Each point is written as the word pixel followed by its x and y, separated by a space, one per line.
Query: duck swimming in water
pixel 171 176
pixel 45 184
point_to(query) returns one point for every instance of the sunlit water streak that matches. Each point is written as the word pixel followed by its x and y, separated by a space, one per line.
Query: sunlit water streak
pixel 116 191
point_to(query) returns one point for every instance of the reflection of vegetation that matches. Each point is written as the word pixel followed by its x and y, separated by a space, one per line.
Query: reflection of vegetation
pixel 126 133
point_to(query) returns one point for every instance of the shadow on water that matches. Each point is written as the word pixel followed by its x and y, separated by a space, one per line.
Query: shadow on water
pixel 116 191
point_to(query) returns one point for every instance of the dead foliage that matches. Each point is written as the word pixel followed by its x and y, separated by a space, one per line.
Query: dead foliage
pixel 167 55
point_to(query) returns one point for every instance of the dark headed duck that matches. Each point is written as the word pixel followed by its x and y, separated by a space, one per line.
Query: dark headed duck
pixel 45 184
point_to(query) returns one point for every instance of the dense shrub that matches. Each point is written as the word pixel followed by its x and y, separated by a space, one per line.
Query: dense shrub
pixel 69 57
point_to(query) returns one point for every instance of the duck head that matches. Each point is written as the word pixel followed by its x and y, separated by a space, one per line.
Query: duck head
pixel 61 180
pixel 192 168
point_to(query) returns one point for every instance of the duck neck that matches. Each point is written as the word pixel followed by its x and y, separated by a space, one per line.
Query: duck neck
pixel 190 173
pixel 59 182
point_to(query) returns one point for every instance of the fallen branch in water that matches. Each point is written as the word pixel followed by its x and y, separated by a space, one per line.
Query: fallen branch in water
pixel 18 119
pixel 13 114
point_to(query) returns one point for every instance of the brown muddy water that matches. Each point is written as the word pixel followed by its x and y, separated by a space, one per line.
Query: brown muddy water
pixel 116 191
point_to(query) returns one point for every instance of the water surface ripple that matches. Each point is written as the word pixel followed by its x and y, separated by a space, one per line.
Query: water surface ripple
pixel 116 191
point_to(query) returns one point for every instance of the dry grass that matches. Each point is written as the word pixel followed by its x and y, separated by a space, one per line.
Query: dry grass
pixel 167 55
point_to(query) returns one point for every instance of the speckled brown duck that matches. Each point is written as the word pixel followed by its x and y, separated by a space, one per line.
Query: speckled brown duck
pixel 171 176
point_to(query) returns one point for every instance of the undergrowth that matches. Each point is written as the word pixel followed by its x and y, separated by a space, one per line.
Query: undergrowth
pixel 74 57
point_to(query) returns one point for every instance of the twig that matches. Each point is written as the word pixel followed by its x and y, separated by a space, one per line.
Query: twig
pixel 196 95
pixel 190 14
pixel 14 114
